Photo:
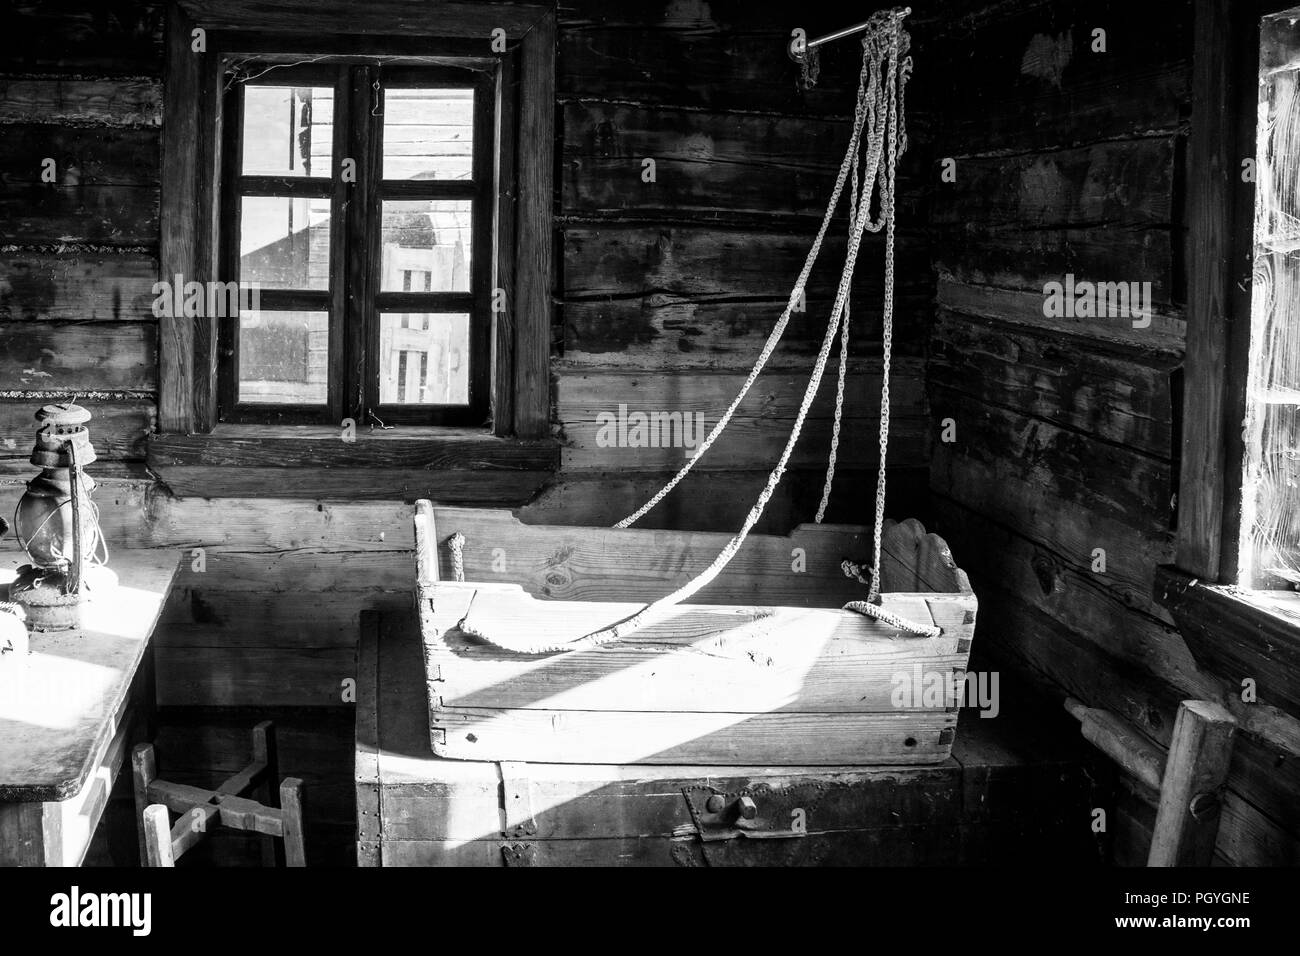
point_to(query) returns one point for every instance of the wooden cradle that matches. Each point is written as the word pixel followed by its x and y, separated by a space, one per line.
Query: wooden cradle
pixel 762 669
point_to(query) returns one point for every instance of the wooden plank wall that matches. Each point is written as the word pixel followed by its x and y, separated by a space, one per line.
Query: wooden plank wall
pixel 1070 160
pixel 689 272
pixel 664 292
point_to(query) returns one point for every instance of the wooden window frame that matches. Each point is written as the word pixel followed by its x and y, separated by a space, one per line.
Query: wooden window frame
pixel 1220 227
pixel 1234 633
pixel 190 434
pixel 354 297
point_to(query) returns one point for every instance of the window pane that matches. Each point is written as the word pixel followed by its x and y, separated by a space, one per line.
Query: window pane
pixel 283 357
pixel 285 243
pixel 1270 539
pixel 288 130
pixel 428 134
pixel 423 358
pixel 426 246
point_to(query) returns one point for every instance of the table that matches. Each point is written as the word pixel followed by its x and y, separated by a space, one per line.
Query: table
pixel 71 712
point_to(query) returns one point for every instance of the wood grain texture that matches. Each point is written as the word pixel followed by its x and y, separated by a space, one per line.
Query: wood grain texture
pixel 727 55
pixel 127 101
pixel 384 17
pixel 709 166
pixel 1211 167
pixel 600 413
pixel 504 487
pixel 750 659
pixel 1199 754
pixel 84 36
pixel 77 287
pixel 1121 395
pixel 1025 308
pixel 572 563
pixel 53 741
pixel 1069 188
pixel 118 429
pixel 1038 85
pixel 80 359
pixel 533 259
pixel 973 807
pixel 1075 466
pixel 699 684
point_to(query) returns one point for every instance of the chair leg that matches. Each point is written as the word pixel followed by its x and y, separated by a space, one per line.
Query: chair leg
pixel 291 804
pixel 144 770
pixel 266 750
pixel 157 836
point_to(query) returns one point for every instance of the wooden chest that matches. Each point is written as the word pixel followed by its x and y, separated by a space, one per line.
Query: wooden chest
pixel 1001 797
pixel 763 668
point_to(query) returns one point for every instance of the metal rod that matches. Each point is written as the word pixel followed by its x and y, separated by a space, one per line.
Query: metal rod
pixel 849 31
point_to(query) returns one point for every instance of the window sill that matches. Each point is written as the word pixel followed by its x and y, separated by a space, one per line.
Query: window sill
pixel 285 461
pixel 1238 634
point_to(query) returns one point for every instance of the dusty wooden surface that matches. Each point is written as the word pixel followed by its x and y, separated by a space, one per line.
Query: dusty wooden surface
pixel 70 711
pixel 706 683
pixel 60 708
pixel 1006 794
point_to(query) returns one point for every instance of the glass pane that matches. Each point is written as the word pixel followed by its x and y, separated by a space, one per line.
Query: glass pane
pixel 423 358
pixel 428 134
pixel 1270 525
pixel 285 243
pixel 426 246
pixel 288 130
pixel 283 357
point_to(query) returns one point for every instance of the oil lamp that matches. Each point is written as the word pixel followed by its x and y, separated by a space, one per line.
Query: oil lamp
pixel 57 524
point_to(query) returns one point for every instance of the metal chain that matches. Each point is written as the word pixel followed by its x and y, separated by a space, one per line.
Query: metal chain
pixel 897 78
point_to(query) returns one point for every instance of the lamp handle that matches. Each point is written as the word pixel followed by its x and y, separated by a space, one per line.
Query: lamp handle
pixel 74 472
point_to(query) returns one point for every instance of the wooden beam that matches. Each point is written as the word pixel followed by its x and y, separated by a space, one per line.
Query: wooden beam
pixel 1117 739
pixel 178 251
pixel 1211 166
pixel 158 836
pixel 1187 822
pixel 533 259
pixel 382 17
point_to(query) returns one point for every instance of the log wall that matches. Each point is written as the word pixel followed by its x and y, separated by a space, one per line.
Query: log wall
pixel 1058 490
pixel 663 293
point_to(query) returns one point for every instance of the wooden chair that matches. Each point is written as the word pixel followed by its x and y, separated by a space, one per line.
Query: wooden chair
pixel 162 843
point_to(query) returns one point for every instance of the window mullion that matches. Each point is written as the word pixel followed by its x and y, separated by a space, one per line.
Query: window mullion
pixel 356 267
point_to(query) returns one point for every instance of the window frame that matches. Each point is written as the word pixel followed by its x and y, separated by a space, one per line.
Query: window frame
pixel 1220 214
pixel 521 262
pixel 353 297
pixel 1235 634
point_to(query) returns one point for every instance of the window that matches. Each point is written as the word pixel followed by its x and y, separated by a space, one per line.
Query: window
pixel 1236 499
pixel 420 293
pixel 357 203
pixel 1231 588
pixel 1269 547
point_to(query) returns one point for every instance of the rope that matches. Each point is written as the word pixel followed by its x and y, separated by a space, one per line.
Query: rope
pixel 868 80
pixel 878 111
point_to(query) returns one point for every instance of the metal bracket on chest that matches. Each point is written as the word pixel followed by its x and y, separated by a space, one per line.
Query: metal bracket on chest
pixel 753 813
